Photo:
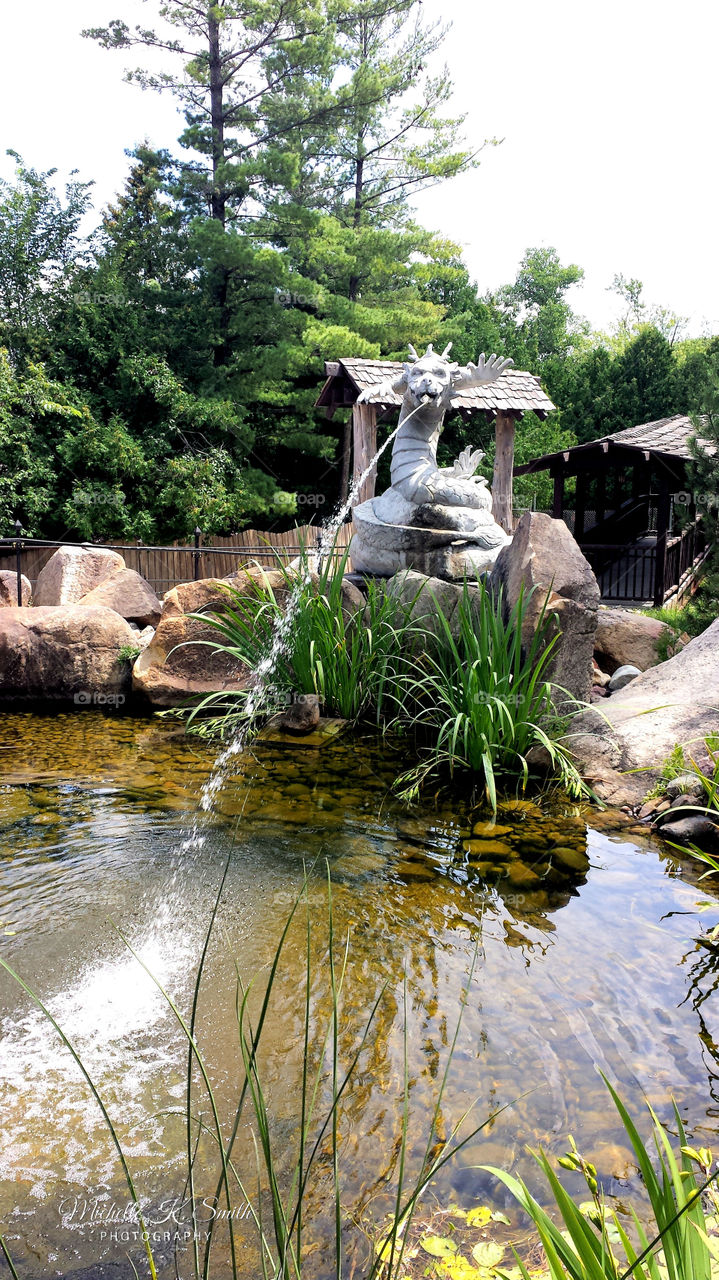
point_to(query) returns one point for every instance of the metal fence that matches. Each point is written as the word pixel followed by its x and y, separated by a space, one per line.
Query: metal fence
pixel 165 567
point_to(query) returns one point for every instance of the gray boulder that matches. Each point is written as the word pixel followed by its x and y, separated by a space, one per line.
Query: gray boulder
pixel 72 572
pixel 623 676
pixel 675 702
pixel 544 558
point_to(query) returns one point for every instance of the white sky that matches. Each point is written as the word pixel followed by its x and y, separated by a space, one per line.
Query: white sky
pixel 608 113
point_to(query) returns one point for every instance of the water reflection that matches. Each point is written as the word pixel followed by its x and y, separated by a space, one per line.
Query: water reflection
pixel 586 960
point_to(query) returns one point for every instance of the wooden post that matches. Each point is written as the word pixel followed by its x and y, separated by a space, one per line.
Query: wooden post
pixel 664 506
pixel 346 452
pixel 503 471
pixel 580 506
pixel 600 501
pixel 364 429
pixel 558 498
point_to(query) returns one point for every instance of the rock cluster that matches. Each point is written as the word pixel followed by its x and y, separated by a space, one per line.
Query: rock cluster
pixel 73 638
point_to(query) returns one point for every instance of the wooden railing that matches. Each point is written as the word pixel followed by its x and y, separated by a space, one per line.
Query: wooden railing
pixel 640 570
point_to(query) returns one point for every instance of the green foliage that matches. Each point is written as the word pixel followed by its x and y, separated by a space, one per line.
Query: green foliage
pixel 41 252
pixel 482 702
pixel 128 653
pixel 476 702
pixel 697 613
pixel 352 661
pixel 34 412
pixel 597 1244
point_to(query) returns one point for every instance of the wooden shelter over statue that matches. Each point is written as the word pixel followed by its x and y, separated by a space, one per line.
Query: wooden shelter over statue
pixel 633 512
pixel 504 402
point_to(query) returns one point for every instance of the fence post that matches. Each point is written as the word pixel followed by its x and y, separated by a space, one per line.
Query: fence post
pixel 197 554
pixel 18 561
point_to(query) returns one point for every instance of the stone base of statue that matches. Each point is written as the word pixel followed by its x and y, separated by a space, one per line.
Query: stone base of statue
pixel 439 541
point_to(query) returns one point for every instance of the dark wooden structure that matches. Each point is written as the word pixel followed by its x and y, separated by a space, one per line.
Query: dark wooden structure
pixel 503 402
pixel 633 515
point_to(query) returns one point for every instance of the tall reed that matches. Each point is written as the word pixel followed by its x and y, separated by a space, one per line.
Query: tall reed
pixel 595 1242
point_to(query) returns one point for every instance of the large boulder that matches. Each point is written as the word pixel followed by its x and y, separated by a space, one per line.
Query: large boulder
pixel 544 559
pixel 129 595
pixel 628 639
pixel 676 702
pixel 72 572
pixel 174 667
pixel 8 589
pixel 66 653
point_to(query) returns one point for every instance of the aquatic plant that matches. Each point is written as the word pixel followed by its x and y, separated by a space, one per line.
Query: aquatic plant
pixel 477 701
pixel 351 658
pixel 484 702
pixel 595 1243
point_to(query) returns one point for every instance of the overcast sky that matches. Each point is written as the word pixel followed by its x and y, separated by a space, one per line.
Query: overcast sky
pixel 608 114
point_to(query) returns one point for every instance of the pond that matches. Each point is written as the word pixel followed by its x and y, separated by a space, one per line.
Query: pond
pixel 588 943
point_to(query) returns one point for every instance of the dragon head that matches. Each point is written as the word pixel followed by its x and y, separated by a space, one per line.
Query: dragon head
pixel 429 377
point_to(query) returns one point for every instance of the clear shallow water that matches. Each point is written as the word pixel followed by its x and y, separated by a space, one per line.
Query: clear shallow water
pixel 588 961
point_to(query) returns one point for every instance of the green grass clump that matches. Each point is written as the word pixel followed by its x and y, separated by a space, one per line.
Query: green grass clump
pixel 351 659
pixel 477 701
pixel 696 614
pixel 597 1243
pixel 484 702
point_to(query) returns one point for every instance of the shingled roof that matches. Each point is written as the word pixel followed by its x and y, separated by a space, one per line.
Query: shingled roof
pixel 515 392
pixel 666 435
pixel 665 438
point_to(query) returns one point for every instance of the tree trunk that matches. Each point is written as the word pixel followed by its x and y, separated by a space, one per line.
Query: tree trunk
pixel 503 472
pixel 218 196
pixel 354 281
pixel 217 114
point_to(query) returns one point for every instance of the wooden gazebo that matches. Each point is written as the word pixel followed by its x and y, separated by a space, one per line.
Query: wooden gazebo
pixel 633 515
pixel 503 402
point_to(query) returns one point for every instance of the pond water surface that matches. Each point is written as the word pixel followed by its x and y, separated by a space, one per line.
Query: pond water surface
pixel 590 946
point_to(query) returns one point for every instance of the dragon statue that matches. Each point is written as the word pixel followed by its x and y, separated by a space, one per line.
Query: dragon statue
pixel 393 530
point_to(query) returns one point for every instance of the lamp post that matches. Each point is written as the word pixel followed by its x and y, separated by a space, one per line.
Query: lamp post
pixel 18 560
